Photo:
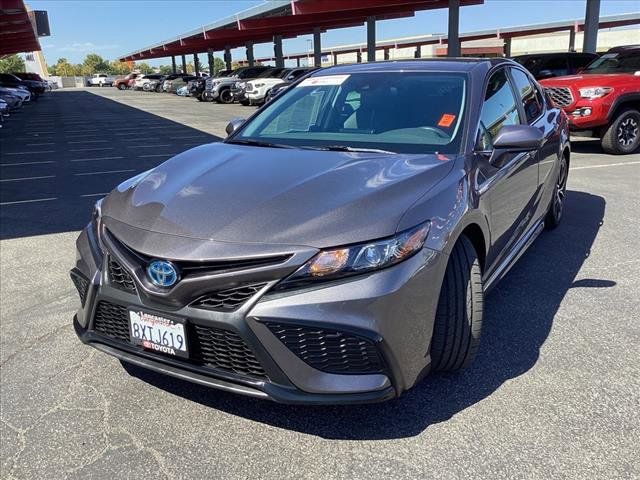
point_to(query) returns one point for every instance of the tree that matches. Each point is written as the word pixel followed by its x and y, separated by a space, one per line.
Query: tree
pixel 94 63
pixel 144 67
pixel 218 65
pixel 119 68
pixel 165 69
pixel 62 68
pixel 12 63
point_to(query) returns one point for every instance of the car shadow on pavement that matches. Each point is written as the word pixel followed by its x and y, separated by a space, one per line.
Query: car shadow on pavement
pixel 518 318
pixel 58 157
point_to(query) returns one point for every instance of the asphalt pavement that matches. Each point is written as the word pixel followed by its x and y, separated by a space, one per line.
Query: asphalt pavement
pixel 553 393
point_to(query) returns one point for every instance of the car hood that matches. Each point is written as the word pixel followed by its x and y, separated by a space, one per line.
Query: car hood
pixel 244 194
pixel 595 80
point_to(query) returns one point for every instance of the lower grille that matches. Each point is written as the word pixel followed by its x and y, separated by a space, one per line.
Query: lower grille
pixel 561 96
pixel 211 347
pixel 227 300
pixel 119 277
pixel 81 283
pixel 330 351
pixel 112 321
pixel 225 350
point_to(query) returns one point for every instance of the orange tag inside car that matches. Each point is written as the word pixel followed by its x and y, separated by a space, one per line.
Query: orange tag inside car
pixel 446 120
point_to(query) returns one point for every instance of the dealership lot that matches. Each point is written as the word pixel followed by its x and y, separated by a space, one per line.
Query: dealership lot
pixel 554 392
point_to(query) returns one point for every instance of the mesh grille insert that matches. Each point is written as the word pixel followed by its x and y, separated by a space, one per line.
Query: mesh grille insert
pixel 227 300
pixel 119 277
pixel 330 351
pixel 561 96
pixel 112 320
pixel 81 284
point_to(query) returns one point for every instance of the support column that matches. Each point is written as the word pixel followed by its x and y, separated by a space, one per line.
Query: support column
pixel 386 54
pixel 591 19
pixel 317 48
pixel 572 40
pixel 335 58
pixel 211 62
pixel 196 64
pixel 184 64
pixel 227 58
pixel 371 39
pixel 277 50
pixel 249 49
pixel 359 56
pixel 453 45
pixel 507 47
pixel 418 52
pixel 298 62
pixel 173 64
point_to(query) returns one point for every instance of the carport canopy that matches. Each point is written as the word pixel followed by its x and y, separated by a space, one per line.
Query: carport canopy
pixel 17 32
pixel 279 19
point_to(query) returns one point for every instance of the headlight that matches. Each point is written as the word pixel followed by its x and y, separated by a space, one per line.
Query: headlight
pixel 594 92
pixel 346 261
pixel 96 223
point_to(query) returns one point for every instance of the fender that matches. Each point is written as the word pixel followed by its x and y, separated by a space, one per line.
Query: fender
pixel 633 97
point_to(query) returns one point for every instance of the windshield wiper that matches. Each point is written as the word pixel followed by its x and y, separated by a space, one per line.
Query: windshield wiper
pixel 258 143
pixel 345 148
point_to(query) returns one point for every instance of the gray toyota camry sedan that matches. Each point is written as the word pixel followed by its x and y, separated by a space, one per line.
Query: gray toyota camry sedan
pixel 337 245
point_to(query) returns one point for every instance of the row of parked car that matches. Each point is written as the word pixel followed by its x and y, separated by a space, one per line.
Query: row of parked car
pixel 17 89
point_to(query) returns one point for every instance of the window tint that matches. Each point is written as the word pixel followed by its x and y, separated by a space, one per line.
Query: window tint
pixel 556 65
pixel 528 94
pixel 499 109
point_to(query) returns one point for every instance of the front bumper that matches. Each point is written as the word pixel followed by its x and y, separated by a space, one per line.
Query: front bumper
pixel 392 309
pixel 586 114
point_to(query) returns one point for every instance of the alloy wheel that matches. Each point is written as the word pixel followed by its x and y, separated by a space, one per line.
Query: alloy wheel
pixel 560 191
pixel 628 132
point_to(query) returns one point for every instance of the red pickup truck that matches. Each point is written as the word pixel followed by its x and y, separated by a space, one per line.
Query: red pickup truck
pixel 604 99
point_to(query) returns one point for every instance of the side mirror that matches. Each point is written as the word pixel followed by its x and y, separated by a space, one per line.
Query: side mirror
pixel 513 139
pixel 234 125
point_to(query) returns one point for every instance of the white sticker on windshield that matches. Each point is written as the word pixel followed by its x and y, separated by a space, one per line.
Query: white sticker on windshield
pixel 326 80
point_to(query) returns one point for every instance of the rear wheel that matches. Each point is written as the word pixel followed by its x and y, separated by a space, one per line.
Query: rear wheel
pixel 121 86
pixel 623 135
pixel 556 209
pixel 458 322
pixel 225 96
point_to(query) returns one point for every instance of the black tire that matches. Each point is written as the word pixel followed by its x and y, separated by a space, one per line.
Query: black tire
pixel 158 88
pixel 122 86
pixel 458 323
pixel 246 103
pixel 225 96
pixel 556 209
pixel 623 134
pixel 199 97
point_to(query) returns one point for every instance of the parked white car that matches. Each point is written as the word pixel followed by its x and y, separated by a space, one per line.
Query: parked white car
pixel 100 80
pixel 139 82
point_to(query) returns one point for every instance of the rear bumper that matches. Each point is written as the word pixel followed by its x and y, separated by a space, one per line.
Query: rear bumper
pixel 392 309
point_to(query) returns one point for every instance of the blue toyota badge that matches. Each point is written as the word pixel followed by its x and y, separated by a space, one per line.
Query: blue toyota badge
pixel 162 273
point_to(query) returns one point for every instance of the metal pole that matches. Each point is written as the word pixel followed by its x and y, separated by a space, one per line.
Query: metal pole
pixel 335 58
pixel 359 56
pixel 298 62
pixel 507 47
pixel 210 61
pixel 196 64
pixel 371 39
pixel 453 46
pixel 572 40
pixel 591 19
pixel 184 64
pixel 317 48
pixel 386 54
pixel 249 49
pixel 173 64
pixel 227 58
pixel 418 52
pixel 277 50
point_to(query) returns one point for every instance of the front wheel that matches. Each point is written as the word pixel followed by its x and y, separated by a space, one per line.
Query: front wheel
pixel 458 322
pixel 225 96
pixel 623 135
pixel 556 209
pixel 121 86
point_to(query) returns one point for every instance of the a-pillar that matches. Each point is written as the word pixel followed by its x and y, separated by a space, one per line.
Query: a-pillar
pixel 227 58
pixel 591 19
pixel 453 35
pixel 317 48
pixel 371 39
pixel 277 50
pixel 249 49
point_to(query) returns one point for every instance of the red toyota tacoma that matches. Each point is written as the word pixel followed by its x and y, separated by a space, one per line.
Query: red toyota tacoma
pixel 604 99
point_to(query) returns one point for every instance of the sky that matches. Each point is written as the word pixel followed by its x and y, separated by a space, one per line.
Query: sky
pixel 112 28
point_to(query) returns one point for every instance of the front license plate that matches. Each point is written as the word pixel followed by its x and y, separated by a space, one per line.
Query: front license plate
pixel 158 334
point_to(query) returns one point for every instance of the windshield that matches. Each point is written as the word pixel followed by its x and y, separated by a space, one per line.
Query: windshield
pixel 614 63
pixel 404 112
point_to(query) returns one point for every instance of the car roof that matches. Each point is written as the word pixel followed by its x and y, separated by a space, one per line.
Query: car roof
pixel 625 48
pixel 419 65
pixel 555 54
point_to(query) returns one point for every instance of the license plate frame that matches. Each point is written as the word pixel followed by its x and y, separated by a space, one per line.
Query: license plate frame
pixel 153 328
